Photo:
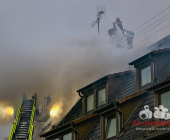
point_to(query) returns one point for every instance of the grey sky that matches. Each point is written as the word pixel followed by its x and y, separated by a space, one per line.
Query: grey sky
pixel 48 46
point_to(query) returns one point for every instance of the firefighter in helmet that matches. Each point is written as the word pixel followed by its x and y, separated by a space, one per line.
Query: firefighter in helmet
pixel 119 23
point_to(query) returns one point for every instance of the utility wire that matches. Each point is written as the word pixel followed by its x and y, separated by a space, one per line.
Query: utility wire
pixel 152 28
pixel 151 18
pixel 151 24
pixel 148 21
pixel 152 34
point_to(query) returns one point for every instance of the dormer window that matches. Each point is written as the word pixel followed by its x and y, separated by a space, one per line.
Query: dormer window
pixel 111 127
pixel 67 136
pixel 146 75
pixel 146 70
pixel 90 102
pixel 101 97
pixel 110 124
pixel 165 100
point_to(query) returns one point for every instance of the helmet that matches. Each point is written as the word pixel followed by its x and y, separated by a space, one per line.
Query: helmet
pixel 117 19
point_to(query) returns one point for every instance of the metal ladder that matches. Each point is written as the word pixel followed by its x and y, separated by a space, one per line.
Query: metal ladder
pixel 22 129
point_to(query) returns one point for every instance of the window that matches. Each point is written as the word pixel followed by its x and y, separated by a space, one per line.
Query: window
pixel 165 100
pixel 90 102
pixel 111 127
pixel 146 76
pixel 67 136
pixel 101 97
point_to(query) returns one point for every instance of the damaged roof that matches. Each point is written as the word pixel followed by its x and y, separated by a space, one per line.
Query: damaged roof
pixel 101 81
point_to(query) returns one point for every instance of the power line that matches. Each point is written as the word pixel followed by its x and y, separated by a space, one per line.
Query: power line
pixel 152 34
pixel 151 18
pixel 152 24
pixel 152 28
pixel 148 30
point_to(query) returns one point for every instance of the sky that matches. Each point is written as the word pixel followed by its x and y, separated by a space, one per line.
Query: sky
pixel 49 47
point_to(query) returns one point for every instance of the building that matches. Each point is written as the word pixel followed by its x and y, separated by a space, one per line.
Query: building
pixel 130 105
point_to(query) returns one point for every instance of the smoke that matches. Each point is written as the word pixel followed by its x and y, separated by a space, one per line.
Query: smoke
pixel 51 49
pixel 44 55
pixel 59 71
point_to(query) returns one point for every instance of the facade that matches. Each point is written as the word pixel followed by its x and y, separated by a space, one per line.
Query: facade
pixel 130 105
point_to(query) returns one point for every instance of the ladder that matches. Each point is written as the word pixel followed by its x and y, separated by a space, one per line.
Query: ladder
pixel 23 127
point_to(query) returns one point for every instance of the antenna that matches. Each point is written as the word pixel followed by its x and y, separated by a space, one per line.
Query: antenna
pixel 100 12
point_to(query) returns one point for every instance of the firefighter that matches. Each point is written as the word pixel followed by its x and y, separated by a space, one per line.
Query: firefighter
pixel 119 23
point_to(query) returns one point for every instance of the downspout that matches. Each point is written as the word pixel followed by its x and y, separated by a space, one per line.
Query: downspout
pixel 73 129
pixel 155 68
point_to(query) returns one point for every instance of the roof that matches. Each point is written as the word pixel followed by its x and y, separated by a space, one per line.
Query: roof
pixel 159 46
pixel 100 81
pixel 163 43
pixel 94 133
pixel 128 88
pixel 129 130
pixel 147 55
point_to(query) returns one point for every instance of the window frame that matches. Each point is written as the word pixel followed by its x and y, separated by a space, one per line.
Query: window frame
pixel 97 96
pixel 140 75
pixel 103 124
pixel 159 97
pixel 66 134
pixel 89 94
pixel 106 126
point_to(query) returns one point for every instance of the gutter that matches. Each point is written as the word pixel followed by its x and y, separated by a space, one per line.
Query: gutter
pixel 80 94
pixel 70 127
pixel 53 134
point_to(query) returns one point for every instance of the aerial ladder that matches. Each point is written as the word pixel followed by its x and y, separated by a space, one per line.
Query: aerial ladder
pixel 23 127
